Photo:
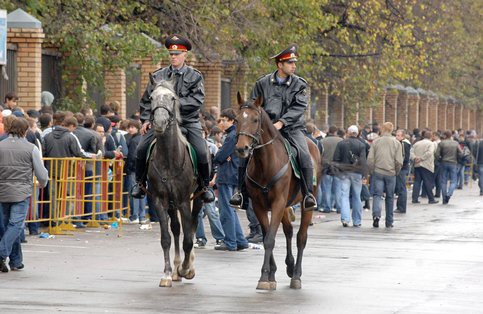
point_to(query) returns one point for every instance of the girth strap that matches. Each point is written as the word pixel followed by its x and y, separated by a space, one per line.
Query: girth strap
pixel 275 178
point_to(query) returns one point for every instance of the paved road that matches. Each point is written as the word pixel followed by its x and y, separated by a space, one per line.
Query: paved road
pixel 431 262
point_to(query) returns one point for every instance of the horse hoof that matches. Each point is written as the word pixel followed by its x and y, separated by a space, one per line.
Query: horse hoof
pixel 273 285
pixel 264 285
pixel 295 284
pixel 176 277
pixel 190 274
pixel 165 282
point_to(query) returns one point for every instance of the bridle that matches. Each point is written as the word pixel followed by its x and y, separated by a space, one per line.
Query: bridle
pixel 257 137
pixel 171 114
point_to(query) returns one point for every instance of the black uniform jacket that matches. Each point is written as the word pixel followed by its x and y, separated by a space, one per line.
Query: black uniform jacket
pixel 189 88
pixel 284 102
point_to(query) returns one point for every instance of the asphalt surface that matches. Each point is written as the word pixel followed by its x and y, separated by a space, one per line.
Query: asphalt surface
pixel 430 262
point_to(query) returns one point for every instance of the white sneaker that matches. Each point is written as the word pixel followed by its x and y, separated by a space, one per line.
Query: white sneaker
pixel 125 220
pixel 144 221
pixel 135 221
pixel 146 227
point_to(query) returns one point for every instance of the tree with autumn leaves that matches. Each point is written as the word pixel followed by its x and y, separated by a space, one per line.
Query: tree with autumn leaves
pixel 351 48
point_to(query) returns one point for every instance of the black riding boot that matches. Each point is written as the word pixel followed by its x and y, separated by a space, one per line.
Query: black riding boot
pixel 204 172
pixel 309 202
pixel 240 198
pixel 138 190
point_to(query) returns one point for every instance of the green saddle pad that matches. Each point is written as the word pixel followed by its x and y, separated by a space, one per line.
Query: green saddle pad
pixel 292 156
pixel 293 162
pixel 193 156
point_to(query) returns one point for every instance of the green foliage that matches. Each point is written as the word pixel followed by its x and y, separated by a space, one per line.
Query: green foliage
pixel 353 47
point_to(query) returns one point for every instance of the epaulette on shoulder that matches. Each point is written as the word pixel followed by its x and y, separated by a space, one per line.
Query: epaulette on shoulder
pixel 303 80
pixel 264 76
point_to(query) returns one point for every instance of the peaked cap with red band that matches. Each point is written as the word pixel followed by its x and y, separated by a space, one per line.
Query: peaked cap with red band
pixel 287 55
pixel 177 44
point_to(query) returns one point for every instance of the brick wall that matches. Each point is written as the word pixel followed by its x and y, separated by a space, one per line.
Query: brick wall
pixel 29 65
pixel 235 72
pixel 212 74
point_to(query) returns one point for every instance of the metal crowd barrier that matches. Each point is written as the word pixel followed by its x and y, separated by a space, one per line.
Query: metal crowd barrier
pixel 87 192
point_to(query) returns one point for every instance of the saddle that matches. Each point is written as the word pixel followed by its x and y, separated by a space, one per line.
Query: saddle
pixel 292 153
pixel 193 156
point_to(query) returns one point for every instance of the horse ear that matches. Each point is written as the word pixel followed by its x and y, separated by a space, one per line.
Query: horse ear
pixel 259 101
pixel 239 98
pixel 151 78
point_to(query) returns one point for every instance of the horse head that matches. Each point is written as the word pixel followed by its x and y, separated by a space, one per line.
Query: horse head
pixel 164 106
pixel 249 125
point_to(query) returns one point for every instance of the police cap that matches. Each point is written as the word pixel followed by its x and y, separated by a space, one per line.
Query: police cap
pixel 177 44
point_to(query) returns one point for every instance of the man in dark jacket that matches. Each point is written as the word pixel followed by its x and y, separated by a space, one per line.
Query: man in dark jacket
pixel 401 189
pixel 191 92
pixel 88 142
pixel 350 156
pixel 478 153
pixel 226 180
pixel 285 100
pixel 447 153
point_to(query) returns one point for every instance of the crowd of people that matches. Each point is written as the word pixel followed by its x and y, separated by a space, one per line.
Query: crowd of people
pixel 376 162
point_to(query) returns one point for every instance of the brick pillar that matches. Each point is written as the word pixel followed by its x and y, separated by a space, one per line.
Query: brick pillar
pixel 212 75
pixel 390 106
pixel 458 116
pixel 147 66
pixel 433 113
pixel 29 64
pixel 450 121
pixel 115 89
pixel 479 123
pixel 413 109
pixel 402 109
pixel 443 114
pixel 466 118
pixel 423 121
pixel 378 110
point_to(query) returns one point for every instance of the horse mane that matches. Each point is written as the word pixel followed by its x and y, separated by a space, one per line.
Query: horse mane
pixel 169 85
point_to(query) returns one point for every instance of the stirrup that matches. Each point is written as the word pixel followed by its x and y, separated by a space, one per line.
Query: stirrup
pixel 138 191
pixel 235 202
pixel 312 207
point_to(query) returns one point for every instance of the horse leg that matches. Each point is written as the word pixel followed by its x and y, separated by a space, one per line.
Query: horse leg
pixel 296 283
pixel 187 269
pixel 288 231
pixel 166 280
pixel 176 230
pixel 267 279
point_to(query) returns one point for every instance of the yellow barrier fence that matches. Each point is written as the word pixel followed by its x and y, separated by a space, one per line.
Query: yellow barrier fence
pixel 80 191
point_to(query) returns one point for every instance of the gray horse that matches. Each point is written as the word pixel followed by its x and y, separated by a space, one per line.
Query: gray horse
pixel 172 181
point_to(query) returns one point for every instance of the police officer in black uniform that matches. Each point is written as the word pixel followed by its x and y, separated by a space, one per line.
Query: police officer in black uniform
pixel 190 90
pixel 285 101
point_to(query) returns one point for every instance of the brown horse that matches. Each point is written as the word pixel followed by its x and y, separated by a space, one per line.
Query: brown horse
pixel 272 186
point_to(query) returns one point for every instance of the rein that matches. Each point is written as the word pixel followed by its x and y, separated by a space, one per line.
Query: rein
pixel 256 139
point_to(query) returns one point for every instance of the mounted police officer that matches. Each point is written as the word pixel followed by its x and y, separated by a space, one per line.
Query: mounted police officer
pixel 188 85
pixel 285 101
